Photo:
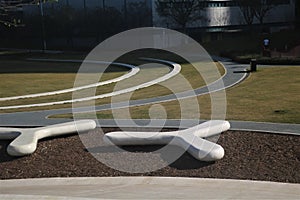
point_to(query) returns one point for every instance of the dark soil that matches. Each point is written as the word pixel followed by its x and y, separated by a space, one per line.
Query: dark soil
pixel 248 155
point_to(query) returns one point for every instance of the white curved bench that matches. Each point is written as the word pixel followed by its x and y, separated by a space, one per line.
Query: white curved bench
pixel 26 139
pixel 190 139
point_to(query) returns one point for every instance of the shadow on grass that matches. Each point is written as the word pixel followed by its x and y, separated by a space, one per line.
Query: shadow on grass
pixel 21 64
pixel 242 72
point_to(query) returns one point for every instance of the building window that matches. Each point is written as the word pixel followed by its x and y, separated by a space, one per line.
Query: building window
pixel 214 4
pixel 278 2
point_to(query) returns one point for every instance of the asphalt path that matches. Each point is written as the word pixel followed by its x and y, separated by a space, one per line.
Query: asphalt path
pixel 40 118
pixel 235 73
pixel 150 187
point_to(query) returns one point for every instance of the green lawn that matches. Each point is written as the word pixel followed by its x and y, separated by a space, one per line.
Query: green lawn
pixel 16 84
pixel 269 95
pixel 272 94
pixel 21 77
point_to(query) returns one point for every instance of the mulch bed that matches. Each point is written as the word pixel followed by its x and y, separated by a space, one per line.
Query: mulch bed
pixel 248 155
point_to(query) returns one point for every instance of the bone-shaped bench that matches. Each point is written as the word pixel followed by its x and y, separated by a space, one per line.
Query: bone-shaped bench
pixel 190 139
pixel 26 139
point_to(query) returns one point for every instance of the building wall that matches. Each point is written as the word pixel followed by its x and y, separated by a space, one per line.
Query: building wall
pixel 76 24
pixel 226 13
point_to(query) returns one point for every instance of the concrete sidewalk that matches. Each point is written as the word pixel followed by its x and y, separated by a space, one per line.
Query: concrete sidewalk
pixel 145 188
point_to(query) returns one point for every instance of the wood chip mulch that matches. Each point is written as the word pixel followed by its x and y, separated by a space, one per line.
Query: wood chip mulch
pixel 248 155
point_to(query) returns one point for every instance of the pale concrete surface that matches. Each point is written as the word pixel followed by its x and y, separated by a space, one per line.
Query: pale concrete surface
pixel 145 188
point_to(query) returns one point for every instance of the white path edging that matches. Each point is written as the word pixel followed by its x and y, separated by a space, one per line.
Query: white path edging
pixel 189 139
pixel 176 69
pixel 133 71
pixel 25 140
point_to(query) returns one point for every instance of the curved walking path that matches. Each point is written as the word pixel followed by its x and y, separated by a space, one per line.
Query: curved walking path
pixel 148 187
pixel 176 68
pixel 39 118
pixel 145 188
pixel 229 79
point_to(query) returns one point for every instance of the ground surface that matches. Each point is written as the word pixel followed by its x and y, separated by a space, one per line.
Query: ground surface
pixel 248 155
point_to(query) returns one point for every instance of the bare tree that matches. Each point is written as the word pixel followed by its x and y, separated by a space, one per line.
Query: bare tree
pixel 247 9
pixel 255 9
pixel 10 10
pixel 180 11
pixel 140 14
pixel 261 9
pixel 297 4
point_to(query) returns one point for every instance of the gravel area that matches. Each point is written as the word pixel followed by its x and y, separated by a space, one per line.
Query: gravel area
pixel 248 155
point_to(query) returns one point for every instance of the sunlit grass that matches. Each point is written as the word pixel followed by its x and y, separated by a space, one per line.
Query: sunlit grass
pixel 269 95
pixel 14 84
pixel 30 83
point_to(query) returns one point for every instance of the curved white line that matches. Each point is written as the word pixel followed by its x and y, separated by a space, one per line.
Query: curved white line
pixel 186 97
pixel 133 70
pixel 176 69
pixel 204 93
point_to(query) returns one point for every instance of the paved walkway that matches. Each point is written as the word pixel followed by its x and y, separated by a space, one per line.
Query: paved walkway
pixel 265 127
pixel 40 118
pixel 145 188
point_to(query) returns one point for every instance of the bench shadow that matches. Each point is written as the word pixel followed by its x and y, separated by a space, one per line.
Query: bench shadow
pixel 4 155
pixel 184 162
